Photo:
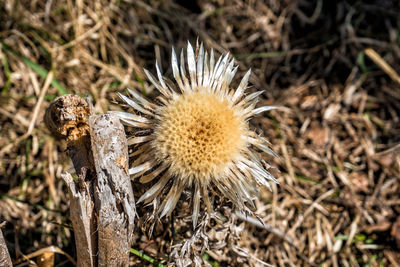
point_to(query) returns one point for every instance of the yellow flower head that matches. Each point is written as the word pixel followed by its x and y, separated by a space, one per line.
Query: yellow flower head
pixel 197 135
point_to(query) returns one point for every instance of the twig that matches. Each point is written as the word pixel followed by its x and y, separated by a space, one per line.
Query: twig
pixel 275 231
pixel 50 249
pixel 266 226
pixel 82 37
pixel 36 110
pixel 382 64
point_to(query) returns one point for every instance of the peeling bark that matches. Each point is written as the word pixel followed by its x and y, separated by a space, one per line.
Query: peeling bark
pixel 114 199
pixel 5 259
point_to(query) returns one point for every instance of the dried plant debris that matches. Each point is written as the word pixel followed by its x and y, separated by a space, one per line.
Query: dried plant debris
pixel 333 65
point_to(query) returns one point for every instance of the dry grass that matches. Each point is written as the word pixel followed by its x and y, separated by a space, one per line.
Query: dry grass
pixel 338 203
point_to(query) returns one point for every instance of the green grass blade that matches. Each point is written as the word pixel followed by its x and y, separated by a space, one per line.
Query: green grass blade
pixel 208 259
pixel 37 206
pixel 37 68
pixel 7 74
pixel 146 257
pixel 261 55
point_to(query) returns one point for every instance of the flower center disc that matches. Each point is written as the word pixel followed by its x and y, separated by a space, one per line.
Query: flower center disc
pixel 199 135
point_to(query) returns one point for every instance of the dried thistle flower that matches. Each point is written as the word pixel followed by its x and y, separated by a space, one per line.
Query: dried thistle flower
pixel 198 135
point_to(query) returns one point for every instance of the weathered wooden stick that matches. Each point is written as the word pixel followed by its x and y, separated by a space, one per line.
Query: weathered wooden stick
pixel 5 259
pixel 83 220
pixel 115 204
pixel 102 205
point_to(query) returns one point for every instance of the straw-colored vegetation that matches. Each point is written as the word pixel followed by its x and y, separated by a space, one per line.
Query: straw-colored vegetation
pixel 332 65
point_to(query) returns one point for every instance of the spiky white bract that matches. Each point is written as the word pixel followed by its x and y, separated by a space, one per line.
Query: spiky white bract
pixel 197 135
